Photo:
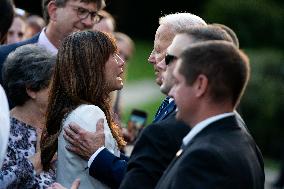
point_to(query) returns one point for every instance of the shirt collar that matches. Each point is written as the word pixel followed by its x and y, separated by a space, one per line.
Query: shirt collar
pixel 171 99
pixel 203 124
pixel 44 41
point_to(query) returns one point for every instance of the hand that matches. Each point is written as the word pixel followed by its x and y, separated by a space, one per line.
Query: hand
pixel 36 159
pixel 82 142
pixel 75 185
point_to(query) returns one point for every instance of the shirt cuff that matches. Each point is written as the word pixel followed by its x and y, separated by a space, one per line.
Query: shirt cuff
pixel 94 156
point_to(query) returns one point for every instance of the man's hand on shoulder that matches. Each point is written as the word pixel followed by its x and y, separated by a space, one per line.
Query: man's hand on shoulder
pixel 83 142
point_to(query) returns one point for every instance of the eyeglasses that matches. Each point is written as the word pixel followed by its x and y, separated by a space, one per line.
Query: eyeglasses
pixel 83 13
pixel 169 58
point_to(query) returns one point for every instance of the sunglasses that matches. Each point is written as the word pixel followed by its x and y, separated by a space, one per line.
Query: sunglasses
pixel 170 58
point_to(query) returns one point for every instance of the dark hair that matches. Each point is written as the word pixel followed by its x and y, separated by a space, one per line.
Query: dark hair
pixel 62 3
pixel 6 17
pixel 28 67
pixel 209 32
pixel 225 66
pixel 231 33
pixel 78 79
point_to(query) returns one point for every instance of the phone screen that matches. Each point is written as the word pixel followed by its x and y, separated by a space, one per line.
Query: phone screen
pixel 136 122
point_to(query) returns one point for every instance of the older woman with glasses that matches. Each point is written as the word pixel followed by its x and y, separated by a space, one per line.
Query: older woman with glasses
pixel 26 76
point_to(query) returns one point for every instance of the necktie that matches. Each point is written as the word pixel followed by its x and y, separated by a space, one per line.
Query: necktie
pixel 163 105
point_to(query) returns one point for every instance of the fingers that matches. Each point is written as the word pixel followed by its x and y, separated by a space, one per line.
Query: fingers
pixel 38 133
pixel 75 184
pixel 73 133
pixel 56 186
pixel 100 125
pixel 69 136
pixel 76 128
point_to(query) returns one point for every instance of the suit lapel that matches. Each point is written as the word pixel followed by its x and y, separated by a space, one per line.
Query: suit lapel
pixel 213 127
pixel 167 111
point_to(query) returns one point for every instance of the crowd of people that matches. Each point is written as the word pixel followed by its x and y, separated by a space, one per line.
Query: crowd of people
pixel 62 79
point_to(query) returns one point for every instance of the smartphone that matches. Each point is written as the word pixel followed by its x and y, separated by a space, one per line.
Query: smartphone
pixel 139 117
pixel 136 122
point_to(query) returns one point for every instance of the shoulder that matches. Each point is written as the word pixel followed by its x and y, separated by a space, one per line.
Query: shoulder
pixel 11 47
pixel 87 110
pixel 169 128
pixel 86 116
pixel 6 49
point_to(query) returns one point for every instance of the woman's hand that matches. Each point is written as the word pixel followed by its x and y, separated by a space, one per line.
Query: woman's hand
pixel 36 161
pixel 36 158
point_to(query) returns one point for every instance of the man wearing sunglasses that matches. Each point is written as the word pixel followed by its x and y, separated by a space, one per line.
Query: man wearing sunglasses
pixel 63 17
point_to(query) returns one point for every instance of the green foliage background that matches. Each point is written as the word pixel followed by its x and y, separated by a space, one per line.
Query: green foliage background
pixel 259 25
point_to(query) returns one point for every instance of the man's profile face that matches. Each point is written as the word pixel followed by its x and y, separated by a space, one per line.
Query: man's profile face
pixel 163 39
pixel 68 19
pixel 183 93
pixel 180 42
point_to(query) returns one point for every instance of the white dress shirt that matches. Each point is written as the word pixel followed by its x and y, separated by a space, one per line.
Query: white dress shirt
pixel 203 124
pixel 4 124
pixel 44 41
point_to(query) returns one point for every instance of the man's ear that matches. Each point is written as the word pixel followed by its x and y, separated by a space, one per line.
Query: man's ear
pixel 201 85
pixel 31 93
pixel 51 9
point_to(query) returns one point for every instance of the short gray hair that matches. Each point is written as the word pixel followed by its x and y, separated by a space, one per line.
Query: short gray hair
pixel 181 21
pixel 29 66
pixel 206 33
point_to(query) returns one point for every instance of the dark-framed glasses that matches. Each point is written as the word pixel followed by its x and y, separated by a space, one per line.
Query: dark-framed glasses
pixel 83 13
pixel 170 58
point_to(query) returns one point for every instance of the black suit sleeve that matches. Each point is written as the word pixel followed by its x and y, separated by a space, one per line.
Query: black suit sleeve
pixel 108 168
pixel 152 153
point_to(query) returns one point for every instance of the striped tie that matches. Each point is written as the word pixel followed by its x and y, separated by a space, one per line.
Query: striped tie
pixel 163 105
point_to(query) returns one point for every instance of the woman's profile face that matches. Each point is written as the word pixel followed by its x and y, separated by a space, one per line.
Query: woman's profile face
pixel 114 73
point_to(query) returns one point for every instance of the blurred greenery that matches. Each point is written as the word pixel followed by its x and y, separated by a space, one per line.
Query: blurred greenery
pixel 258 23
pixel 272 164
pixel 138 66
pixel 138 69
pixel 150 108
pixel 262 105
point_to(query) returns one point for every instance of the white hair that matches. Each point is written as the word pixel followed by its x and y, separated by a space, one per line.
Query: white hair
pixel 181 21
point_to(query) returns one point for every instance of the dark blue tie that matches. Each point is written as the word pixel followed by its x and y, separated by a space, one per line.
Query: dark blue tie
pixel 162 106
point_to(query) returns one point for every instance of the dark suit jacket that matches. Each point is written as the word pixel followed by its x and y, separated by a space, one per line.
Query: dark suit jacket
pixel 221 156
pixel 153 152
pixel 108 168
pixel 6 49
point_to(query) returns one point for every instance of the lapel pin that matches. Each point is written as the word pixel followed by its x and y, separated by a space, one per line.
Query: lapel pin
pixel 179 152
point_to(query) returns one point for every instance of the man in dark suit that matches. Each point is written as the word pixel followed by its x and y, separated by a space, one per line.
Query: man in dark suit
pixel 218 152
pixel 63 17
